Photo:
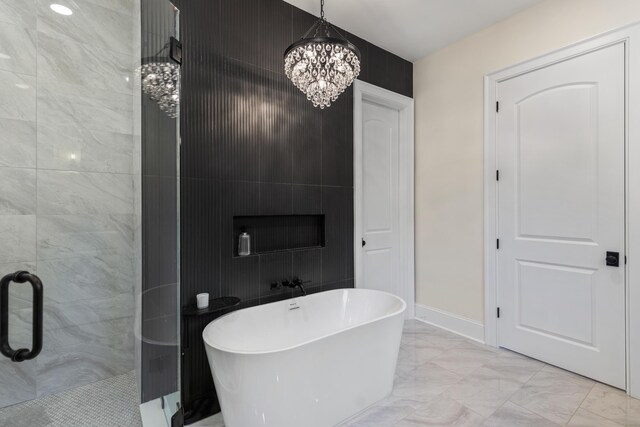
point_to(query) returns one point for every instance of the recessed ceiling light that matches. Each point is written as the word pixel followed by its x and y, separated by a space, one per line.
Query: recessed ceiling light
pixel 4 56
pixel 62 10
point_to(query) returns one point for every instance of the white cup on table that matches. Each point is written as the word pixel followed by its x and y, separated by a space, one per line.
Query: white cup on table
pixel 202 300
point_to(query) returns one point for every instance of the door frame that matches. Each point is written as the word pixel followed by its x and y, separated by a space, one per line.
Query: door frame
pixel 367 92
pixel 630 37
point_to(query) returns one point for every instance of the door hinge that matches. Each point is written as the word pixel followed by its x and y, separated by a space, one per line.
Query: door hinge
pixel 497 243
pixel 625 260
pixel 497 175
pixel 498 312
pixel 497 107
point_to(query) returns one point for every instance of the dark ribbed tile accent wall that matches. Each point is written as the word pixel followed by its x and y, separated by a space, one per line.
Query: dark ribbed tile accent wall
pixel 252 145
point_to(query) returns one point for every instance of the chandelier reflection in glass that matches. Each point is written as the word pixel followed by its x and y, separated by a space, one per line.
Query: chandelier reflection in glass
pixel 160 80
pixel 322 65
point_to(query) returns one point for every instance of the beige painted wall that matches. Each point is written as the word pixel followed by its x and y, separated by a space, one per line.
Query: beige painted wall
pixel 449 96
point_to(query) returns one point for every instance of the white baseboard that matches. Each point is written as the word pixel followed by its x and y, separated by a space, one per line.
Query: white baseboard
pixel 468 328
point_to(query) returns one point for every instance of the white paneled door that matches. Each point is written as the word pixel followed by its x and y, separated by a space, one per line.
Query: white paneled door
pixel 561 214
pixel 380 198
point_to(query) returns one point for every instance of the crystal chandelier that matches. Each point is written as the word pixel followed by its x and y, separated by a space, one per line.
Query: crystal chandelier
pixel 160 80
pixel 322 65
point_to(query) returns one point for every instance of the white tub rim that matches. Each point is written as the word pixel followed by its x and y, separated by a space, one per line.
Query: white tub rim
pixel 401 310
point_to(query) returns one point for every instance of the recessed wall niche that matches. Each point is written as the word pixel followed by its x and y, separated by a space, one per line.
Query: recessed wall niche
pixel 273 233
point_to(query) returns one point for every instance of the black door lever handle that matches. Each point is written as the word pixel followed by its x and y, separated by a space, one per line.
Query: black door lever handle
pixel 21 354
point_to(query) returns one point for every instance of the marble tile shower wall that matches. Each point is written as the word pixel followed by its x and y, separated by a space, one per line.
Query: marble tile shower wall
pixel 68 188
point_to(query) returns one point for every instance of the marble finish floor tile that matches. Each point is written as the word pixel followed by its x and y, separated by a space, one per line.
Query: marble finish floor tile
pixel 511 415
pixel 465 359
pixel 613 404
pixel 442 411
pixel 515 366
pixel 424 382
pixel 410 357
pixel 432 340
pixel 484 390
pixel 554 394
pixel 584 418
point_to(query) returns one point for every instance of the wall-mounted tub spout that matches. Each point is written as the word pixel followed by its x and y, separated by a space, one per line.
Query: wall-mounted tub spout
pixel 297 283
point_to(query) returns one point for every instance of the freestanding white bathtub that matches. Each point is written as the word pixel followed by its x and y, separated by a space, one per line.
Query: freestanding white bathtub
pixel 312 361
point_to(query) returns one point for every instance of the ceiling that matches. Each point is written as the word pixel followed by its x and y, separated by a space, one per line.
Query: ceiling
pixel 412 29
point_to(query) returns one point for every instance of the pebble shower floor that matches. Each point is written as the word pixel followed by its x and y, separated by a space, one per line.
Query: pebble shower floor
pixel 113 402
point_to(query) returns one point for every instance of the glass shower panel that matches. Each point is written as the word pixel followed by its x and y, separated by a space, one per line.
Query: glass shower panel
pixel 159 79
pixel 67 191
pixel 89 204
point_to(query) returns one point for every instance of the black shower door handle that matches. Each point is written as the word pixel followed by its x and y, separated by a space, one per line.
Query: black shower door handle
pixel 21 354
